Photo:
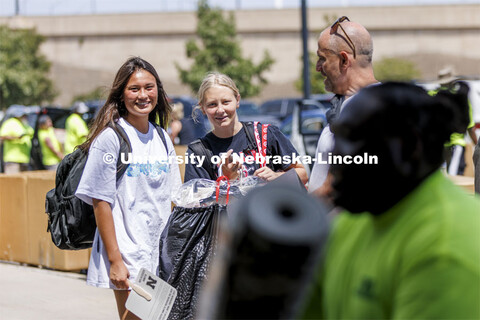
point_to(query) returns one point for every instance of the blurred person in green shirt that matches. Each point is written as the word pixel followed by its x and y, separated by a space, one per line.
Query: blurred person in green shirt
pixel 76 129
pixel 408 247
pixel 16 135
pixel 50 146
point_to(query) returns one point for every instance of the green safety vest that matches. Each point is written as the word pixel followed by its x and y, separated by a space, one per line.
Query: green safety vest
pixel 76 131
pixel 49 158
pixel 17 150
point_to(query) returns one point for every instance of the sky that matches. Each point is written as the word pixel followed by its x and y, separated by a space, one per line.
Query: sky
pixel 87 7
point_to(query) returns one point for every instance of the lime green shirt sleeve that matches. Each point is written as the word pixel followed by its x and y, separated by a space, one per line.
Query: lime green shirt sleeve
pixel 76 131
pixel 16 150
pixel 470 113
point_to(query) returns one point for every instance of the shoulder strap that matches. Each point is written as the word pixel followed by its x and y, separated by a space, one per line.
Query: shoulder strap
pixel 199 148
pixel 125 148
pixel 162 135
pixel 248 127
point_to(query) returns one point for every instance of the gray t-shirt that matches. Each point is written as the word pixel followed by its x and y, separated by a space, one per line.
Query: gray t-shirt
pixel 140 200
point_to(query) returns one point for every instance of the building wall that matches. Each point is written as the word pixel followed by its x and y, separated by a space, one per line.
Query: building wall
pixel 86 51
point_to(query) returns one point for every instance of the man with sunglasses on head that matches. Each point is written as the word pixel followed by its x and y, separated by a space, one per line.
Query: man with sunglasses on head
pixel 344 53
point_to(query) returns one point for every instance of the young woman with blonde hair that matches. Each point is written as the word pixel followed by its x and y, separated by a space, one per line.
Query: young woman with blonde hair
pixel 219 99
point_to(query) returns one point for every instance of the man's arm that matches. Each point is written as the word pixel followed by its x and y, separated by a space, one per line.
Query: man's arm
pixel 473 136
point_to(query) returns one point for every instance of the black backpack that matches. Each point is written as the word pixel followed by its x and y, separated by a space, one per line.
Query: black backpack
pixel 71 221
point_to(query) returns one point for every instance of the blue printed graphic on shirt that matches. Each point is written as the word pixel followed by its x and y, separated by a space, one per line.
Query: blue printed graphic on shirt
pixel 147 169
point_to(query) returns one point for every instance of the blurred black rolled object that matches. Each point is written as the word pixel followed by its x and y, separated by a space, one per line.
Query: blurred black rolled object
pixel 267 253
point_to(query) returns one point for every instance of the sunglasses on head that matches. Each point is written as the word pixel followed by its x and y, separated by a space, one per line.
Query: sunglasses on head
pixel 334 27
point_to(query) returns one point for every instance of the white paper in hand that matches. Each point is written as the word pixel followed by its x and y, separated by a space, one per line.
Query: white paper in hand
pixel 163 295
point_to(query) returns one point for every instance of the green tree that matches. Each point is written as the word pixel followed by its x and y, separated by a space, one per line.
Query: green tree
pixel 99 93
pixel 219 51
pixel 395 69
pixel 316 78
pixel 23 69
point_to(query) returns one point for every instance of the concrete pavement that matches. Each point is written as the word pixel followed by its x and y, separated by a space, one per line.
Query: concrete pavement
pixel 33 293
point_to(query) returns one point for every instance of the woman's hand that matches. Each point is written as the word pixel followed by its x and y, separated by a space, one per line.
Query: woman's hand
pixel 267 174
pixel 119 274
pixel 231 167
pixel 103 216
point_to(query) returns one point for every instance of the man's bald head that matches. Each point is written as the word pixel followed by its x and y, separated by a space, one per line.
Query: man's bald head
pixel 345 57
pixel 338 41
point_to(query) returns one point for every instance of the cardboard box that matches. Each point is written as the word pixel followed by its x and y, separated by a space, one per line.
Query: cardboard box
pixel 67 260
pixel 14 237
pixel 37 187
pixel 23 223
pixel 42 251
pixel 470 168
pixel 180 150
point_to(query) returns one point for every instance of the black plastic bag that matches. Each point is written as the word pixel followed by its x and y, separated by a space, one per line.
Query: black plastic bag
pixel 187 245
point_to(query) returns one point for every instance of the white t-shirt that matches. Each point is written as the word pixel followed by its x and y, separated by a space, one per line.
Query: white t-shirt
pixel 324 146
pixel 320 170
pixel 140 201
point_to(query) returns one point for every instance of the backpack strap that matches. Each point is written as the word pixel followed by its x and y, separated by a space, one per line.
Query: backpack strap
pixel 248 127
pixel 201 147
pixel 125 148
pixel 162 135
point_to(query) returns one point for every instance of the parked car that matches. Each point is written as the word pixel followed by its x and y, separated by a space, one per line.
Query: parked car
pixel 201 125
pixel 249 111
pixel 304 126
pixel 282 108
pixel 312 121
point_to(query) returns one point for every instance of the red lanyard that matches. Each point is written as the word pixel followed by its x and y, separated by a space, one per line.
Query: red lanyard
pixel 262 145
pixel 217 192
